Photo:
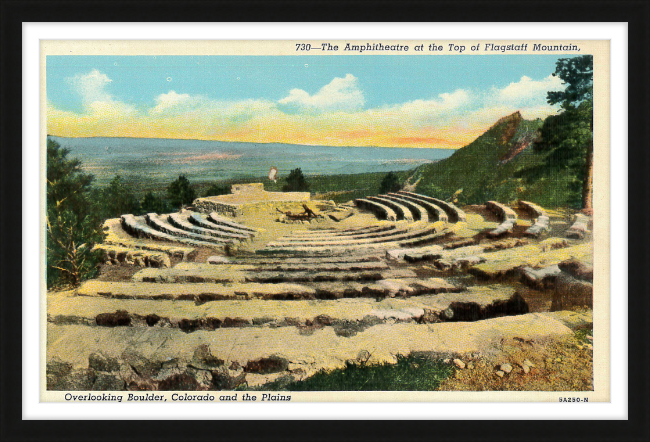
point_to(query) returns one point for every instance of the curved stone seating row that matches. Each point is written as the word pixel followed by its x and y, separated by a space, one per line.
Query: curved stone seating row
pixel 195 273
pixel 542 220
pixel 155 222
pixel 504 228
pixel 396 237
pixel 434 212
pixel 113 254
pixel 271 313
pixel 347 232
pixel 265 291
pixel 218 219
pixel 542 225
pixel 139 229
pixel 321 267
pixel 424 239
pixel 504 212
pixel 199 221
pixel 381 211
pixel 178 222
pixel 381 234
pixel 454 213
pixel 579 228
pixel 505 263
pixel 419 213
pixel 440 252
pixel 402 212
pixel 344 259
pixel 532 208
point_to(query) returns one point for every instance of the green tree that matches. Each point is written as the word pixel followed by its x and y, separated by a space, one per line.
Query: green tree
pixel 72 226
pixel 568 136
pixel 117 199
pixel 296 182
pixel 217 189
pixel 390 183
pixel 153 203
pixel 180 192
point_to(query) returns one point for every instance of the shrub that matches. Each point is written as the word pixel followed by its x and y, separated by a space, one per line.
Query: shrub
pixel 296 182
pixel 390 183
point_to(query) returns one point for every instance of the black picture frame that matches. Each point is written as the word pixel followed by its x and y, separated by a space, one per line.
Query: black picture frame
pixel 635 13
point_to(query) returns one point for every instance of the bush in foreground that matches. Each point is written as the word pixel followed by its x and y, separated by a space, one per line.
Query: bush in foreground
pixel 413 373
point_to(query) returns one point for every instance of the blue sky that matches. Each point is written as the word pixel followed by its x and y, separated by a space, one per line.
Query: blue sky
pixel 98 88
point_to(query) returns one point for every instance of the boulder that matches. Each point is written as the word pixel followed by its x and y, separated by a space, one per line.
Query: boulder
pixel 577 269
pixel 572 292
pixel 108 382
pixel 99 362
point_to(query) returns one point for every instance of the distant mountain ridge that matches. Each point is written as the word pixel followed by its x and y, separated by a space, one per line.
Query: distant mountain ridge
pixel 499 165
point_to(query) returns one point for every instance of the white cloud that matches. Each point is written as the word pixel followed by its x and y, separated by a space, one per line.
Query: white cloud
pixel 339 94
pixel 95 98
pixel 170 101
pixel 446 102
pixel 527 88
pixel 335 112
pixel 91 86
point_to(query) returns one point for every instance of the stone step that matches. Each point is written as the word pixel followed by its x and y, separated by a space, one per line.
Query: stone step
pixel 113 254
pixel 532 208
pixel 223 221
pixel 579 228
pixel 380 210
pixel 475 304
pixel 569 292
pixel 432 253
pixel 541 226
pixel 263 261
pixel 157 223
pixel 454 213
pixel 320 267
pixel 397 285
pixel 417 210
pixel 151 246
pixel 402 212
pixel 463 242
pixel 325 251
pixel 138 228
pixel 198 220
pixel 503 229
pixel 501 210
pixel 419 240
pixel 178 222
pixel 434 212
pixel 328 238
pixel 505 263
pixel 578 269
pixel 345 232
pixel 117 236
pixel 539 278
pixel 195 272
pixel 397 236
pixel 340 216
pixel 148 358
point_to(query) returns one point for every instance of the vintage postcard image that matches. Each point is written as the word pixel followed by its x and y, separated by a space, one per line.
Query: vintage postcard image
pixel 325 221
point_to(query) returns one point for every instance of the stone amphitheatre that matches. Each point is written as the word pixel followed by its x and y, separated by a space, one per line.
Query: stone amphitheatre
pixel 243 289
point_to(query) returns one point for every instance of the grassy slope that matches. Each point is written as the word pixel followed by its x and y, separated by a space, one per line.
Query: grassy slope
pixel 411 373
pixel 476 169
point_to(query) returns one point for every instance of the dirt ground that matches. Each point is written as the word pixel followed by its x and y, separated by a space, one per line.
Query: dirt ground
pixel 557 365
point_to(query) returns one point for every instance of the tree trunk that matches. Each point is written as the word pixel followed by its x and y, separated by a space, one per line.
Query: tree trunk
pixel 587 188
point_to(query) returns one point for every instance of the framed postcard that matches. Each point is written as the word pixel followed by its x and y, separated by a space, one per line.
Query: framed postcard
pixel 406 224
